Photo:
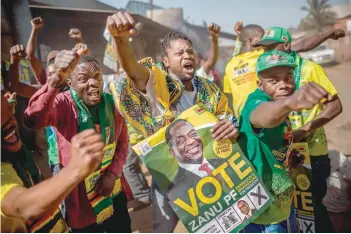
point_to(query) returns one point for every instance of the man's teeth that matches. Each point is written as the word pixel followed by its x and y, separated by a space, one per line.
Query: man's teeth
pixel 94 93
pixel 193 150
pixel 10 135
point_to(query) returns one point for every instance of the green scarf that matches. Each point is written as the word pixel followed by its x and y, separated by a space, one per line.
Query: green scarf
pixel 102 206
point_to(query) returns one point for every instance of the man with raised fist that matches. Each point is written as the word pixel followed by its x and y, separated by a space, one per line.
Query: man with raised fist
pixel 97 204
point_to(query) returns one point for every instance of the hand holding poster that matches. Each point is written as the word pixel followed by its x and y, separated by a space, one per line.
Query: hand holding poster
pixel 301 173
pixel 210 184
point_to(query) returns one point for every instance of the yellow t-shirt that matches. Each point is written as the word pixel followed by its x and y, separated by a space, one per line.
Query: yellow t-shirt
pixel 317 141
pixel 240 78
pixel 9 180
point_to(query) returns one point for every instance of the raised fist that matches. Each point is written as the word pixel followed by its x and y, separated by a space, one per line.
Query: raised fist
pixel 121 24
pixel 18 52
pixel 86 152
pixel 75 33
pixel 65 63
pixel 337 33
pixel 214 30
pixel 238 27
pixel 80 48
pixel 306 97
pixel 37 23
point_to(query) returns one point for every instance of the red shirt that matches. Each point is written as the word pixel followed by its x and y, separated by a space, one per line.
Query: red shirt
pixel 48 107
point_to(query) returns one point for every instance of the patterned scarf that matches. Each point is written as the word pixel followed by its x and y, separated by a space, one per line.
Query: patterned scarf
pixel 134 107
pixel 102 206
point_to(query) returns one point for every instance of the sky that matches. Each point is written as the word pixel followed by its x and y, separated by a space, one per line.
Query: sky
pixel 225 13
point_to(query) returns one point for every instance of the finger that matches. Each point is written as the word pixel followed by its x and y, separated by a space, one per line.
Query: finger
pixel 117 20
pixel 223 133
pixel 217 125
pixel 91 148
pixel 134 31
pixel 124 19
pixel 21 48
pixel 18 48
pixel 223 128
pixel 85 133
pixel 130 18
pixel 92 139
pixel 234 134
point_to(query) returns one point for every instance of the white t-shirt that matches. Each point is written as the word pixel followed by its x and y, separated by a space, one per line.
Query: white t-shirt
pixel 201 73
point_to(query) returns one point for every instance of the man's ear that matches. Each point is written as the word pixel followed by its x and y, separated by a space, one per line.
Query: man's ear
pixel 69 81
pixel 259 84
pixel 287 46
pixel 165 62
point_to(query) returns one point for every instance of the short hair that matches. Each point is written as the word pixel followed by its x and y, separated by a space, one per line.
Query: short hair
pixel 84 59
pixel 172 36
pixel 249 31
pixel 168 129
pixel 87 59
pixel 242 201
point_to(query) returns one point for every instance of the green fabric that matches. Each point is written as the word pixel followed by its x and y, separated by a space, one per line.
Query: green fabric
pixel 297 70
pixel 267 149
pixel 274 58
pixel 105 115
pixel 25 166
pixel 275 35
pixel 53 151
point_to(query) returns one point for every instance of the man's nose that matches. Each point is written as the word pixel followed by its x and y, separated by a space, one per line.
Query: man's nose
pixel 93 82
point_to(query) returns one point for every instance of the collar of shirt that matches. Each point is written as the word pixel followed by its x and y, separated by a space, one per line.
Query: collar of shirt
pixel 194 168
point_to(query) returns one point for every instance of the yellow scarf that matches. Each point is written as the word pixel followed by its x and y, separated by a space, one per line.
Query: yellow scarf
pixel 168 90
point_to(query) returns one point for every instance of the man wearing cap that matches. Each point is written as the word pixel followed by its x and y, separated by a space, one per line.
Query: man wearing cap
pixel 308 124
pixel 240 76
pixel 266 133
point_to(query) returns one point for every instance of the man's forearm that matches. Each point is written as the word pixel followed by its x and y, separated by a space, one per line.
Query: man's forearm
pixel 34 61
pixel 213 57
pixel 308 43
pixel 137 72
pixel 270 114
pixel 41 199
pixel 31 44
pixel 40 111
pixel 331 110
pixel 12 78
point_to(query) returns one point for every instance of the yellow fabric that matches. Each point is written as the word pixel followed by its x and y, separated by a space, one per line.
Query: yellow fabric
pixel 240 78
pixel 134 136
pixel 128 100
pixel 310 71
pixel 9 180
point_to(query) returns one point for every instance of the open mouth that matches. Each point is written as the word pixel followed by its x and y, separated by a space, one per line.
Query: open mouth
pixel 188 66
pixel 9 134
pixel 94 94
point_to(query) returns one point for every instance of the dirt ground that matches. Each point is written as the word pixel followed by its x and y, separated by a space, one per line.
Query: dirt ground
pixel 338 133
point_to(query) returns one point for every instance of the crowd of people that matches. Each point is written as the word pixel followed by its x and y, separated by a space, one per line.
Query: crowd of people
pixel 84 133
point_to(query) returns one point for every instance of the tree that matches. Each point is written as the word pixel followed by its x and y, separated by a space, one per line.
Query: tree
pixel 320 15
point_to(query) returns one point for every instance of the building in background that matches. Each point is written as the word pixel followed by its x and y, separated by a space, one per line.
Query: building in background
pixel 61 15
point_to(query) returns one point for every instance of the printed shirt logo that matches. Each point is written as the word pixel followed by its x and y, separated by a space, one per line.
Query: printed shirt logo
pixel 276 58
pixel 241 71
pixel 269 33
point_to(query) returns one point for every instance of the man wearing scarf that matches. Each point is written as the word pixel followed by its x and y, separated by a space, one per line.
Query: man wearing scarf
pixel 29 204
pixel 151 96
pixel 97 203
